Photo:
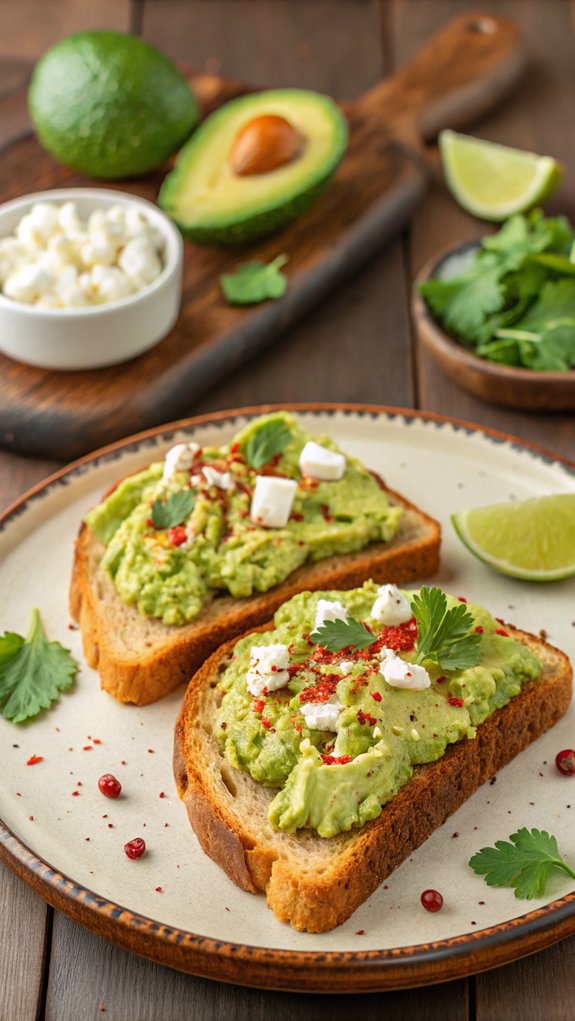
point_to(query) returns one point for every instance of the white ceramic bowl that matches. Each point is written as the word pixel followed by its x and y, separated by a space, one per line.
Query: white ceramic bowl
pixel 98 335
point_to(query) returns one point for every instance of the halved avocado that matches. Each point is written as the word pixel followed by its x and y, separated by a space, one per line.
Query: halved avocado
pixel 212 204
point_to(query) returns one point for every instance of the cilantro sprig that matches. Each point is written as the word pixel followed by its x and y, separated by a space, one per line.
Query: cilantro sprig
pixel 33 672
pixel 254 282
pixel 335 635
pixel 524 862
pixel 175 510
pixel 444 636
pixel 262 445
pixel 515 302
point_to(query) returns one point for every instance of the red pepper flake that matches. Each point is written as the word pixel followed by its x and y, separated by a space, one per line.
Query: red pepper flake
pixel 31 818
pixel 268 725
pixel 440 680
pixel 500 620
pixel 360 932
pixel 453 700
pixel 376 695
pixel 177 535
pixel 75 794
pixel 295 516
pixel 258 706
pixel 158 889
pixel 322 691
pixel 96 740
pixel 87 748
pixel 123 762
pixel 162 794
pixel 324 508
pixel 34 759
pixel 150 523
pixel 479 629
pixel 335 760
pixel 151 751
pixel 501 631
pixel 366 718
pixel 462 599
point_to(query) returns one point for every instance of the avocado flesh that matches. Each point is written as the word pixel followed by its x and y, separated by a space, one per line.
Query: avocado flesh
pixel 213 205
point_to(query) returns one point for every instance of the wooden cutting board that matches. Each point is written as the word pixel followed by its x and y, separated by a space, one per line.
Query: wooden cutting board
pixel 463 71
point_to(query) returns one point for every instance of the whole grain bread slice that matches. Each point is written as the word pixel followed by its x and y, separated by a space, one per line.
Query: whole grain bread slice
pixel 140 659
pixel 316 883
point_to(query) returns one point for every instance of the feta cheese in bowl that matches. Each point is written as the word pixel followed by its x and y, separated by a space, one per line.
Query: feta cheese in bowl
pixel 88 277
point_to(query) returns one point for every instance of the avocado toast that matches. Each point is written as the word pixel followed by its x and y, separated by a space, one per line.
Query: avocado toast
pixel 314 788
pixel 194 550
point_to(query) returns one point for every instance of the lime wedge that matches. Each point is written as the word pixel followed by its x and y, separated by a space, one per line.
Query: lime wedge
pixel 532 539
pixel 493 181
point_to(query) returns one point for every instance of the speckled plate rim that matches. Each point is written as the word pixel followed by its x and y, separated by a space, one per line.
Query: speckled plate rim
pixel 313 971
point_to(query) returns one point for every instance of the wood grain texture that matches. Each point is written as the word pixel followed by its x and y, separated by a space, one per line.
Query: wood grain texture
pixel 535 989
pixel 30 26
pixel 371 197
pixel 23 921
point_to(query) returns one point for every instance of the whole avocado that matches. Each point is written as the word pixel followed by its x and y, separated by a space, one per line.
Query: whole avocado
pixel 110 105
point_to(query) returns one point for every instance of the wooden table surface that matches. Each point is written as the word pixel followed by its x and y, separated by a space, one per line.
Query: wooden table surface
pixel 358 347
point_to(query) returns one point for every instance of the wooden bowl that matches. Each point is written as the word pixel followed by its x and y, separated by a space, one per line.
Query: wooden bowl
pixel 498 384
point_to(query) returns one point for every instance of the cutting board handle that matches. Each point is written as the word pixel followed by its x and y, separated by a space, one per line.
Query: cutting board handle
pixel 461 72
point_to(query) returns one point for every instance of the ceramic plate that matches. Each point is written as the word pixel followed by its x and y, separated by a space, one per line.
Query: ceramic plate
pixel 174 905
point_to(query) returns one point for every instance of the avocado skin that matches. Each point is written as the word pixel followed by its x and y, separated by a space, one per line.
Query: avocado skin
pixel 110 105
pixel 243 229
pixel 256 226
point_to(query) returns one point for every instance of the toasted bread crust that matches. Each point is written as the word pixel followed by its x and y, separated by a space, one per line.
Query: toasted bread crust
pixel 317 885
pixel 141 660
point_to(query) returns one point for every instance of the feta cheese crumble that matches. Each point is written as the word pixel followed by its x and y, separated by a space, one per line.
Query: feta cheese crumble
pixel 268 668
pixel 55 259
pixel 221 480
pixel 391 607
pixel 346 666
pixel 321 463
pixel 180 458
pixel 328 609
pixel 400 674
pixel 321 715
pixel 272 501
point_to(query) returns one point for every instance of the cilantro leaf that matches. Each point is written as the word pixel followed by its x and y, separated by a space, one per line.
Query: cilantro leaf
pixel 254 282
pixel 520 281
pixel 262 445
pixel 524 863
pixel 336 635
pixel 545 335
pixel 174 511
pixel 444 636
pixel 33 672
pixel 10 645
pixel 463 304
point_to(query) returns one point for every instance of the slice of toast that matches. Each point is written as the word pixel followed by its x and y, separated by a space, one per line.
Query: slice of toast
pixel 140 659
pixel 316 883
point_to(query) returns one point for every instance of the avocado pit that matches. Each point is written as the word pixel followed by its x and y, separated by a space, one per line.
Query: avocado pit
pixel 265 144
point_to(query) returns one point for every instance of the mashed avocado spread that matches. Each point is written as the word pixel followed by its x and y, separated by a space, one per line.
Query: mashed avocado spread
pixel 334 779
pixel 181 529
